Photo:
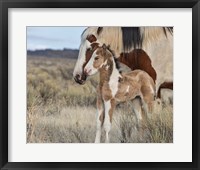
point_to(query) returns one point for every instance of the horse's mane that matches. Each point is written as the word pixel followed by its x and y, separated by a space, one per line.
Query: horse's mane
pixel 136 36
pixel 110 35
pixel 126 38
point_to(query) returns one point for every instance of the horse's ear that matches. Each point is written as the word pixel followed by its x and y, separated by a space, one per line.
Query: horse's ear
pixel 99 30
pixel 91 38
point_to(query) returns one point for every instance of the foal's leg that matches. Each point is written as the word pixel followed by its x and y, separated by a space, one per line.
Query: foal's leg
pixel 137 109
pixel 100 118
pixel 148 97
pixel 148 104
pixel 109 108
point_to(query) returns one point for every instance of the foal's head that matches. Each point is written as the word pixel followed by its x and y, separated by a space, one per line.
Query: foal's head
pixel 100 58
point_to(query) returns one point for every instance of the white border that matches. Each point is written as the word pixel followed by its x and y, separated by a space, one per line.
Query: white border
pixel 179 151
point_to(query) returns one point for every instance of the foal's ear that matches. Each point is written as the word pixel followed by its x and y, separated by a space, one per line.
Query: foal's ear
pixel 104 46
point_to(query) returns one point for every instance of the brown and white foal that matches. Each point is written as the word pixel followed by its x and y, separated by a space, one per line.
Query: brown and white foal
pixel 115 87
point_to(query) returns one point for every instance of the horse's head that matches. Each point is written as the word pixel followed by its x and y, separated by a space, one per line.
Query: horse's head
pixel 99 59
pixel 87 48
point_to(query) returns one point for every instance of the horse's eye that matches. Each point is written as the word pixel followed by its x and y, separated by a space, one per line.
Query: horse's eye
pixel 96 58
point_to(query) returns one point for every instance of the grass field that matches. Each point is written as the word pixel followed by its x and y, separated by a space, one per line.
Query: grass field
pixel 61 111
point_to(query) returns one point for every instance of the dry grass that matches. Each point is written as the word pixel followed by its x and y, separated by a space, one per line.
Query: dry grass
pixel 61 111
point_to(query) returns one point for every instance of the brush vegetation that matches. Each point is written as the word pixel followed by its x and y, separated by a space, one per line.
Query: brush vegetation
pixel 61 111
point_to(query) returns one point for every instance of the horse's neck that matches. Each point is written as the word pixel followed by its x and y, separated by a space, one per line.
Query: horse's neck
pixel 109 73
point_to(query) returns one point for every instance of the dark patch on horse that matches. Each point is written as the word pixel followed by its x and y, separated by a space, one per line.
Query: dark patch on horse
pixel 99 30
pixel 138 59
pixel 165 85
pixel 169 29
pixel 91 38
pixel 165 32
pixel 131 38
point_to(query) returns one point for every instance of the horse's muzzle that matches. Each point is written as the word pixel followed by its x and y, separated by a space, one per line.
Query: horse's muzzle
pixel 80 79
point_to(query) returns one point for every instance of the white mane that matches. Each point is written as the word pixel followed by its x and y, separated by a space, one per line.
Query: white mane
pixel 113 36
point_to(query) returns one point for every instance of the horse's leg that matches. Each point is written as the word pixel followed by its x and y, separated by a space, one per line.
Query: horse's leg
pixel 100 118
pixel 109 108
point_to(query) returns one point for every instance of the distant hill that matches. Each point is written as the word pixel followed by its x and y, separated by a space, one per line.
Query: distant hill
pixel 65 53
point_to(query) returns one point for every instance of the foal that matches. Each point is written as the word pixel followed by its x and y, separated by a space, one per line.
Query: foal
pixel 115 87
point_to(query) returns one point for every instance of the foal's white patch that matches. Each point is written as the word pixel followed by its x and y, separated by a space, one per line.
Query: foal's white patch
pixel 98 130
pixel 103 64
pixel 107 67
pixel 127 90
pixel 99 112
pixel 113 82
pixel 107 123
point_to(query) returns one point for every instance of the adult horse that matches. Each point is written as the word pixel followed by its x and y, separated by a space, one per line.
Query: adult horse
pixel 129 43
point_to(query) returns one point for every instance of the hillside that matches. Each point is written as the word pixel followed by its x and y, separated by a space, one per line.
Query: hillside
pixel 65 53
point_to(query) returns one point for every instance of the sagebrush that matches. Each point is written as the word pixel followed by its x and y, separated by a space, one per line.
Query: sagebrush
pixel 61 111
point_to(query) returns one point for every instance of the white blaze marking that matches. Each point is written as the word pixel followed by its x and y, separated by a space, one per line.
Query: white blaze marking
pixel 81 57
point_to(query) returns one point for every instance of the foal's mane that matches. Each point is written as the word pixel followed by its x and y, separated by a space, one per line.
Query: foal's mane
pixel 116 61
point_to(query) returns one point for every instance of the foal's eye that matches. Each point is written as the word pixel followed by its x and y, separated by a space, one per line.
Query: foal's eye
pixel 89 49
pixel 96 58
